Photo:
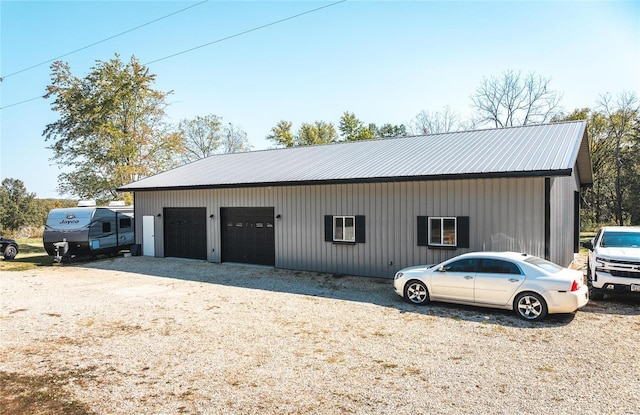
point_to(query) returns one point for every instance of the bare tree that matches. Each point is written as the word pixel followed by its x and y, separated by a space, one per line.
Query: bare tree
pixel 234 140
pixel 435 122
pixel 202 136
pixel 514 99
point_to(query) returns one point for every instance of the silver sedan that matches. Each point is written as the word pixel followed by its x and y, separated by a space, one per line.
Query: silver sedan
pixel 530 286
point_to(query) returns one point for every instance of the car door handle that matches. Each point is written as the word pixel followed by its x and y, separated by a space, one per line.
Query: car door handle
pixel 468 277
pixel 513 280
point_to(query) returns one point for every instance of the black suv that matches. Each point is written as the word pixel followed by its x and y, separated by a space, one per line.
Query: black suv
pixel 8 248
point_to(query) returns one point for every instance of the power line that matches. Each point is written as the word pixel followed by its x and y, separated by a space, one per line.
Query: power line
pixel 245 32
pixel 194 48
pixel 21 102
pixel 2 78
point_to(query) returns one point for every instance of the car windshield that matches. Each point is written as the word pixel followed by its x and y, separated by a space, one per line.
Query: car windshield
pixel 544 264
pixel 620 240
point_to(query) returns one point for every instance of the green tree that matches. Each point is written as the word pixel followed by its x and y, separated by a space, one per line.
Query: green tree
pixel 352 129
pixel 282 135
pixel 622 114
pixel 390 130
pixel 111 130
pixel 16 205
pixel 632 202
pixel 597 206
pixel 614 140
pixel 319 132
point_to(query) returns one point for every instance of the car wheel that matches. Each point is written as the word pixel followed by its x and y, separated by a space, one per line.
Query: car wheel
pixel 416 292
pixel 10 252
pixel 594 293
pixel 530 306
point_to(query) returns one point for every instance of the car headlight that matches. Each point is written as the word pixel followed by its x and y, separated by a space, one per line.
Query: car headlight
pixel 398 275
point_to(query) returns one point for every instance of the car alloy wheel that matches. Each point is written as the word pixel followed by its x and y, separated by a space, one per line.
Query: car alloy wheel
pixel 416 292
pixel 530 306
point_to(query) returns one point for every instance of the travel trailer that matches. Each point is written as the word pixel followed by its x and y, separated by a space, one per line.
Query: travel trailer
pixel 88 230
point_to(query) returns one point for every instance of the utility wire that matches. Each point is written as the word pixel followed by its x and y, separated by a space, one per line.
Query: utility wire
pixel 245 32
pixel 187 50
pixel 21 102
pixel 2 78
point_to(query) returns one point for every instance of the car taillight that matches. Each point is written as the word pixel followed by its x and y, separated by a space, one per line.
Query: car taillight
pixel 575 285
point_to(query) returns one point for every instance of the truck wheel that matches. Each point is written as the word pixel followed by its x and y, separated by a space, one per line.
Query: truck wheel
pixel 594 293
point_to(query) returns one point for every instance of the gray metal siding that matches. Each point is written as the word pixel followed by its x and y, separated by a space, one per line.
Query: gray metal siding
pixel 562 219
pixel 505 214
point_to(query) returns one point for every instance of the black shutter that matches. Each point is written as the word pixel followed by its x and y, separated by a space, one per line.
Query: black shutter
pixel 576 222
pixel 360 231
pixel 422 231
pixel 463 231
pixel 328 228
pixel 547 218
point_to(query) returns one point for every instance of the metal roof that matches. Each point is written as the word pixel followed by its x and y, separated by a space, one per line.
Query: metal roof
pixel 534 150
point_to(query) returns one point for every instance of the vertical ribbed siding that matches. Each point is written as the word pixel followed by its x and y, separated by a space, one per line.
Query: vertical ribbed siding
pixel 504 214
pixel 562 219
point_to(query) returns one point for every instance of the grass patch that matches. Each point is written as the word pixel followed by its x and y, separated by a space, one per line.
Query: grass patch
pixel 31 254
pixel 38 395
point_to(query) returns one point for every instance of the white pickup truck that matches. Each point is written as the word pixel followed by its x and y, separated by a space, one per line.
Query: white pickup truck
pixel 614 261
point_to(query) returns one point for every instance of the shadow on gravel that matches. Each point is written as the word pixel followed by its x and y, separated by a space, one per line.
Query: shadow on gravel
pixel 376 291
pixel 615 304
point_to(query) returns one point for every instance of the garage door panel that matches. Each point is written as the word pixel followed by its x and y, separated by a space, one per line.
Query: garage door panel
pixel 248 235
pixel 185 233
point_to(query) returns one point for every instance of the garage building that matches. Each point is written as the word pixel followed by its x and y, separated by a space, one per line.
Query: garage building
pixel 371 207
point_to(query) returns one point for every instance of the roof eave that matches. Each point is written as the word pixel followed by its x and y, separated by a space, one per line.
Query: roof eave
pixel 461 176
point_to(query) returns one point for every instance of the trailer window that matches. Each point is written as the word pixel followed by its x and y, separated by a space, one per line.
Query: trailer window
pixel 125 223
pixel 106 227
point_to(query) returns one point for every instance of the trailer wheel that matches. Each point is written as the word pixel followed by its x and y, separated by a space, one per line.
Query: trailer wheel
pixel 10 252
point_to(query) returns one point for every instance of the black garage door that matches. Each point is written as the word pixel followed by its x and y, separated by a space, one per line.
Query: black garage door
pixel 248 235
pixel 185 233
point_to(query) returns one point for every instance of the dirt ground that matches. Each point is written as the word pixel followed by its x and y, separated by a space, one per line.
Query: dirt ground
pixel 168 336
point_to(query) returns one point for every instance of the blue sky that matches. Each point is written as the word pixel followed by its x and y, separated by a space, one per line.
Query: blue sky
pixel 384 61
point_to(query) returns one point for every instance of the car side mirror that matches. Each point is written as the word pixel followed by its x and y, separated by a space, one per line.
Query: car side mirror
pixel 441 269
pixel 588 245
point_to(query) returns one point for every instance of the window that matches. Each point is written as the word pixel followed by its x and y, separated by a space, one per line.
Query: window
pixel 612 239
pixel 462 265
pixel 344 229
pixel 106 227
pixel 497 266
pixel 544 264
pixel 125 223
pixel 441 232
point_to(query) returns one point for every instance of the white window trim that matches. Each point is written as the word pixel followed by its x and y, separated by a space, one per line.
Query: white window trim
pixel 442 219
pixel 344 217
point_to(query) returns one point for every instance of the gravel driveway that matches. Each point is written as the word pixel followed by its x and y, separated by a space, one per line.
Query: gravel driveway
pixel 166 336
